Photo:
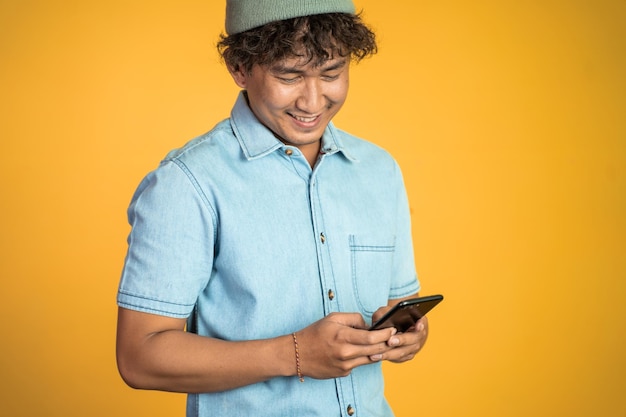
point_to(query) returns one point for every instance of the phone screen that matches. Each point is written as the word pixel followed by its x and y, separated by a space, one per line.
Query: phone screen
pixel 406 313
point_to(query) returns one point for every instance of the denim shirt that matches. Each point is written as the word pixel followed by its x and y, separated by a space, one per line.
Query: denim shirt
pixel 237 233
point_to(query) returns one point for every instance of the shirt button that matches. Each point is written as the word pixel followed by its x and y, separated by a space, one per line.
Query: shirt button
pixel 351 410
pixel 288 152
pixel 331 295
pixel 322 238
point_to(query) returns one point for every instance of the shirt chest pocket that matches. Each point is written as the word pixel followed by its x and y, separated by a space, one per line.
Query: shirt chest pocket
pixel 372 268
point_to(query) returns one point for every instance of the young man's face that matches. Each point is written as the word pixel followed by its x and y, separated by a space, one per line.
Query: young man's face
pixel 294 99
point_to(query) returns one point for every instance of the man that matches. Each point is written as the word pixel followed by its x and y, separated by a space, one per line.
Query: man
pixel 261 251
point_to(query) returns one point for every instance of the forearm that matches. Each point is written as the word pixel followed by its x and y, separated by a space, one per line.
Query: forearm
pixel 174 360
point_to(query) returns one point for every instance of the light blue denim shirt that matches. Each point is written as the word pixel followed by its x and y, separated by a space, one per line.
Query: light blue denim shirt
pixel 237 233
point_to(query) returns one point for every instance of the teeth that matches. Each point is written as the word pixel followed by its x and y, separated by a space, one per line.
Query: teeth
pixel 305 119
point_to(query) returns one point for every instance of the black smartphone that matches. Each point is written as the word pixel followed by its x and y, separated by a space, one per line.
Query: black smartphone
pixel 406 313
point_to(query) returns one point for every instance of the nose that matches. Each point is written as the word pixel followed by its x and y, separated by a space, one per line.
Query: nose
pixel 311 97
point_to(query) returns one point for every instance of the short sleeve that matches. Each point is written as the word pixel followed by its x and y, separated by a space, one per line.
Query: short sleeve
pixel 170 246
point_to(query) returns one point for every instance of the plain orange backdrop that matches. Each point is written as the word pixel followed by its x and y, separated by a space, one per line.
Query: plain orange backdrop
pixel 507 117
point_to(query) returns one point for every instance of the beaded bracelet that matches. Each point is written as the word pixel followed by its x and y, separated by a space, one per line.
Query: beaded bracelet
pixel 298 369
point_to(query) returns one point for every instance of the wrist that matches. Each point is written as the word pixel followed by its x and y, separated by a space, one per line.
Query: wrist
pixel 283 354
pixel 296 348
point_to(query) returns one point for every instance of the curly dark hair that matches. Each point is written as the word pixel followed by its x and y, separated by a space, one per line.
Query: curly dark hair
pixel 318 38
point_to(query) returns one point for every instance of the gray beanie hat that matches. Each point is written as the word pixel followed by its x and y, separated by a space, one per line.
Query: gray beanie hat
pixel 242 15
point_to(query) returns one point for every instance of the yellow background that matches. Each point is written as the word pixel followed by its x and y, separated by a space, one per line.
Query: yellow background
pixel 507 118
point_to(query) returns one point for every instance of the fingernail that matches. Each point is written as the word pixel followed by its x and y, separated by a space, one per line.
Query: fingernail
pixel 376 357
pixel 394 341
pixel 420 327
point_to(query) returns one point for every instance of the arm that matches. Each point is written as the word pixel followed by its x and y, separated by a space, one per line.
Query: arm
pixel 154 352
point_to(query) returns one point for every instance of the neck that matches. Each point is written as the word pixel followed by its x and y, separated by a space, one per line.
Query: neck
pixel 311 151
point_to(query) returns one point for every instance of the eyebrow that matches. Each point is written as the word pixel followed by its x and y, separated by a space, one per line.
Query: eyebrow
pixel 280 68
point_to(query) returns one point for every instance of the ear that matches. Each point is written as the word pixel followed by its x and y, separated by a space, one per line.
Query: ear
pixel 239 75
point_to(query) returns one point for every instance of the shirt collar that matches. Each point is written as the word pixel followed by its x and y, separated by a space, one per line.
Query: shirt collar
pixel 257 141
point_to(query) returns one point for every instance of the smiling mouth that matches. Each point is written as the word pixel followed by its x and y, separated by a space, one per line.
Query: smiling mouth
pixel 303 119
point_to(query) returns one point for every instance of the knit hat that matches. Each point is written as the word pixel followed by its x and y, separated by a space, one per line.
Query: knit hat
pixel 242 15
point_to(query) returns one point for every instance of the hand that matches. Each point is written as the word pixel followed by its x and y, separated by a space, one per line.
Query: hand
pixel 405 345
pixel 338 343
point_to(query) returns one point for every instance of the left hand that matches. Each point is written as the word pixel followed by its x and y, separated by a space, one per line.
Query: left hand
pixel 405 345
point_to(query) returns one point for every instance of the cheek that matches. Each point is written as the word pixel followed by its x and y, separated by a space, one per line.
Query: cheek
pixel 276 99
pixel 339 92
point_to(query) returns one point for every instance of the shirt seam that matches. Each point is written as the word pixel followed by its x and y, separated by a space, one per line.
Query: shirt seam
pixel 404 290
pixel 196 185
pixel 126 303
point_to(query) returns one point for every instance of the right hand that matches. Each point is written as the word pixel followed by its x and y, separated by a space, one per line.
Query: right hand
pixel 335 345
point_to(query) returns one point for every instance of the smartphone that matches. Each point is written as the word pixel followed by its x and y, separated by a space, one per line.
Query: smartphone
pixel 406 313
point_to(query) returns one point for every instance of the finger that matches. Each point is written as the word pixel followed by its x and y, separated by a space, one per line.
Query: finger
pixel 420 327
pixel 396 349
pixel 403 353
pixel 380 313
pixel 407 339
pixel 363 344
pixel 353 320
pixel 371 337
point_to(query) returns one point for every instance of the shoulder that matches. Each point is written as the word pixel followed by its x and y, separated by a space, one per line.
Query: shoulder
pixel 189 167
pixel 203 145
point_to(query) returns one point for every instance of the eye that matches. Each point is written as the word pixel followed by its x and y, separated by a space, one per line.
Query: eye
pixel 330 77
pixel 288 80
